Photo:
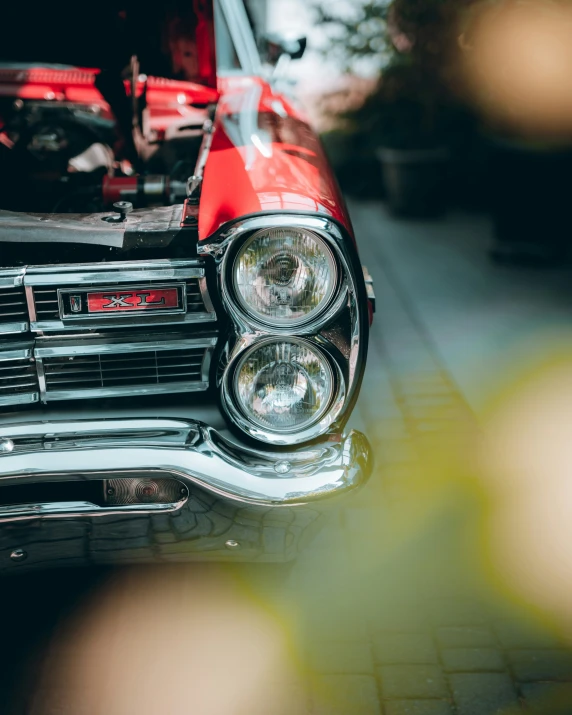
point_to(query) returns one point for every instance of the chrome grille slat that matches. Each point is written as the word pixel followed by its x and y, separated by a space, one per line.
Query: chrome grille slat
pixel 14 385
pixel 95 382
pixel 55 371
pixel 4 367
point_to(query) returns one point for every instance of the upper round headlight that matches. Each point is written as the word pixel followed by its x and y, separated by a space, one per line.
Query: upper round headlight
pixel 284 276
pixel 283 385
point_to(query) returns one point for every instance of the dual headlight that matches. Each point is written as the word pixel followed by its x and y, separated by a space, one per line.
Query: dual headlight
pixel 284 277
pixel 283 385
pixel 279 281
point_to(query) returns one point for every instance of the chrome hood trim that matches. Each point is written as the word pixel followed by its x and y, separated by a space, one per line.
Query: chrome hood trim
pixel 187 449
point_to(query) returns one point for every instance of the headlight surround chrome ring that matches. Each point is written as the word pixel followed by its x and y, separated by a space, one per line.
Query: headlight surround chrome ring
pixel 320 422
pixel 290 270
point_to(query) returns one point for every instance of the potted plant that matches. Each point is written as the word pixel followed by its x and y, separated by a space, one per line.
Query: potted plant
pixel 411 126
pixel 411 121
pixel 524 111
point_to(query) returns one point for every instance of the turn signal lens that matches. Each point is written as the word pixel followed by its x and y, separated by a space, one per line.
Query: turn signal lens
pixel 284 276
pixel 283 386
pixel 161 490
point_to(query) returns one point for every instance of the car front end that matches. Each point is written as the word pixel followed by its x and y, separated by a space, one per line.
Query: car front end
pixel 183 327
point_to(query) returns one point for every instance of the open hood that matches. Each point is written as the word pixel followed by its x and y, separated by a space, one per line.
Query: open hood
pixel 169 38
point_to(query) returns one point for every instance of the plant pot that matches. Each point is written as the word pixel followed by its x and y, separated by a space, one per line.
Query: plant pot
pixel 415 181
pixel 357 170
pixel 530 198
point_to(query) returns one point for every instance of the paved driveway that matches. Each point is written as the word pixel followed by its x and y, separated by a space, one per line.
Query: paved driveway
pixel 398 607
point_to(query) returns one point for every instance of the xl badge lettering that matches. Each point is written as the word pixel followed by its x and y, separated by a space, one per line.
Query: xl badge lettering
pixel 137 300
pixel 118 301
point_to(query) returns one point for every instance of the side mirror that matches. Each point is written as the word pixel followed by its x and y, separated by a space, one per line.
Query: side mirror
pixel 274 46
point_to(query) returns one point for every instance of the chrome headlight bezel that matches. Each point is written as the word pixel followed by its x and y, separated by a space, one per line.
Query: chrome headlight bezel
pixel 250 314
pixel 340 331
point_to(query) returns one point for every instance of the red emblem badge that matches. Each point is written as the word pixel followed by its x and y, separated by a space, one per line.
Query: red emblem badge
pixel 133 300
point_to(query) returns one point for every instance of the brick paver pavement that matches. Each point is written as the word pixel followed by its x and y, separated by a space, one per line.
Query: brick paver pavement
pixel 389 612
pixel 438 638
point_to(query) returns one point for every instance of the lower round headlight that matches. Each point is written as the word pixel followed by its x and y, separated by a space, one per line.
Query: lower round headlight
pixel 283 385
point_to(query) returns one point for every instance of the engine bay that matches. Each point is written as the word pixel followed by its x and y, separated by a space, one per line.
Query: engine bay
pixel 105 111
pixel 69 157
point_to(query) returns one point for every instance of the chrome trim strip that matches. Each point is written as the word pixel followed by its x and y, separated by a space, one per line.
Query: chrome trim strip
pixel 127 391
pixel 112 272
pixel 12 328
pixel 177 319
pixel 23 398
pixel 11 277
pixel 188 450
pixel 151 431
pixel 18 353
pixel 116 348
pixel 16 512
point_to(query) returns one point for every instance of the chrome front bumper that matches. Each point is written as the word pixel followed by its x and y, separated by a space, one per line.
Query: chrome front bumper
pixel 243 503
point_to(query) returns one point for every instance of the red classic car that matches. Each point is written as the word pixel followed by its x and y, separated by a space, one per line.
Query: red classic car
pixel 183 315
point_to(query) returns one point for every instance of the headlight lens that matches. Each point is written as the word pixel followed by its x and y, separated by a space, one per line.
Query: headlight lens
pixel 284 385
pixel 284 276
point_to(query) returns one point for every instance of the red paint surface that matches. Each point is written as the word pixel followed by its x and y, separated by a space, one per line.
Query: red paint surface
pixel 264 157
pixel 137 300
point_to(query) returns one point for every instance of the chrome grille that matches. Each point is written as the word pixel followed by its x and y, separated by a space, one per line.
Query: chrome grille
pixel 79 354
pixel 139 368
pixel 18 379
